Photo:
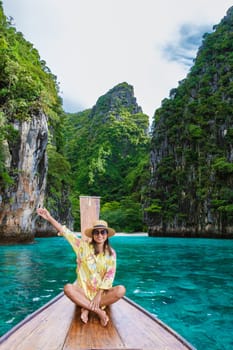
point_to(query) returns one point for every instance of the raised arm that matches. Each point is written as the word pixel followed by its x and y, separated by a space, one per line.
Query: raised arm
pixel 44 213
pixel 62 230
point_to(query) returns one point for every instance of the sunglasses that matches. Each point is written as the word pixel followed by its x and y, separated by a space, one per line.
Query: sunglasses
pixel 97 232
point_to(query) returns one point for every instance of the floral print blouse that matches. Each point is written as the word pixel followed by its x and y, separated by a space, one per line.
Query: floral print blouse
pixel 94 272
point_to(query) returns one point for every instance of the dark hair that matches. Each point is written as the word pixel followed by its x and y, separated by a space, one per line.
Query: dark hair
pixel 107 247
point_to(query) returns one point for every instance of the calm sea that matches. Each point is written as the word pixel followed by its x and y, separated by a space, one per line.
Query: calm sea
pixel 187 283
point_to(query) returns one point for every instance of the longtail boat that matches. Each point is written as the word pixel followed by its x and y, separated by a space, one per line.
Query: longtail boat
pixel 57 325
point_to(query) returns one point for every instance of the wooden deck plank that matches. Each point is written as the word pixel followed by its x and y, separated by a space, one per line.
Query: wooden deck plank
pixel 44 330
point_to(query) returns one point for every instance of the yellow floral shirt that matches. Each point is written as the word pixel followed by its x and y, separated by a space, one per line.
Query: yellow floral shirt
pixel 94 272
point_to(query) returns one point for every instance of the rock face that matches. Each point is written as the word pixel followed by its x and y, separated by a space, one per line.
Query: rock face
pixel 118 98
pixel 27 161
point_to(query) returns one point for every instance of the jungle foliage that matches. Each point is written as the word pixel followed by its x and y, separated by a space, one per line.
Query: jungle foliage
pixel 192 131
pixel 107 148
pixel 27 87
pixel 104 151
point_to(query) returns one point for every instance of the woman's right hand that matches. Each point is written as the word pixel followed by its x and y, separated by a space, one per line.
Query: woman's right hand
pixel 44 213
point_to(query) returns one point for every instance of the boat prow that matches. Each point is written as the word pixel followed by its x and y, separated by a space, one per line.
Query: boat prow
pixel 57 326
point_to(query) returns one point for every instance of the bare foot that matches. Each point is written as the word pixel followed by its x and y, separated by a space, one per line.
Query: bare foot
pixel 103 318
pixel 84 315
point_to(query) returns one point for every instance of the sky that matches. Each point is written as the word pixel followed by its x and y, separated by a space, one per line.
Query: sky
pixel 93 45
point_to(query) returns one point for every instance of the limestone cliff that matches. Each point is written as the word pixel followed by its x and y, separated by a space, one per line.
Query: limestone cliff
pixel 30 114
pixel 107 144
pixel 190 191
pixel 27 162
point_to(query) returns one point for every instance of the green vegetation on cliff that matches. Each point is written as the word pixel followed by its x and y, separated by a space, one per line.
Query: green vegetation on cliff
pixel 107 148
pixel 104 151
pixel 27 88
pixel 26 83
pixel 192 160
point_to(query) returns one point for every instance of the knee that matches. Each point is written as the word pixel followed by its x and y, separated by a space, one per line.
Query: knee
pixel 68 289
pixel 120 291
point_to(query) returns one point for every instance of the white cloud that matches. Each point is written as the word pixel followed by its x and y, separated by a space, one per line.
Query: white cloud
pixel 184 48
pixel 92 45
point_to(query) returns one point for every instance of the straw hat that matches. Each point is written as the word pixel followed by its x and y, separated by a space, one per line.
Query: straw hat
pixel 99 224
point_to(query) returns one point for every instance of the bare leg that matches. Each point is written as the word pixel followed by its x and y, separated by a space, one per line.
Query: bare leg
pixel 76 294
pixel 112 295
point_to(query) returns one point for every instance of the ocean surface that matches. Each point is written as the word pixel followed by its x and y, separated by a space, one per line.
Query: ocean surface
pixel 187 283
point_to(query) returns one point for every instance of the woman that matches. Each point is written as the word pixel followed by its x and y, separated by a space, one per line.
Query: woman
pixel 96 267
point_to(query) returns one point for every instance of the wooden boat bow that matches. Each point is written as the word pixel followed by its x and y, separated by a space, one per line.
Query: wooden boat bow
pixel 57 326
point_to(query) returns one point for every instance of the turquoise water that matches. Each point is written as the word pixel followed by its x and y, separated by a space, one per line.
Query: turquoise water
pixel 187 283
